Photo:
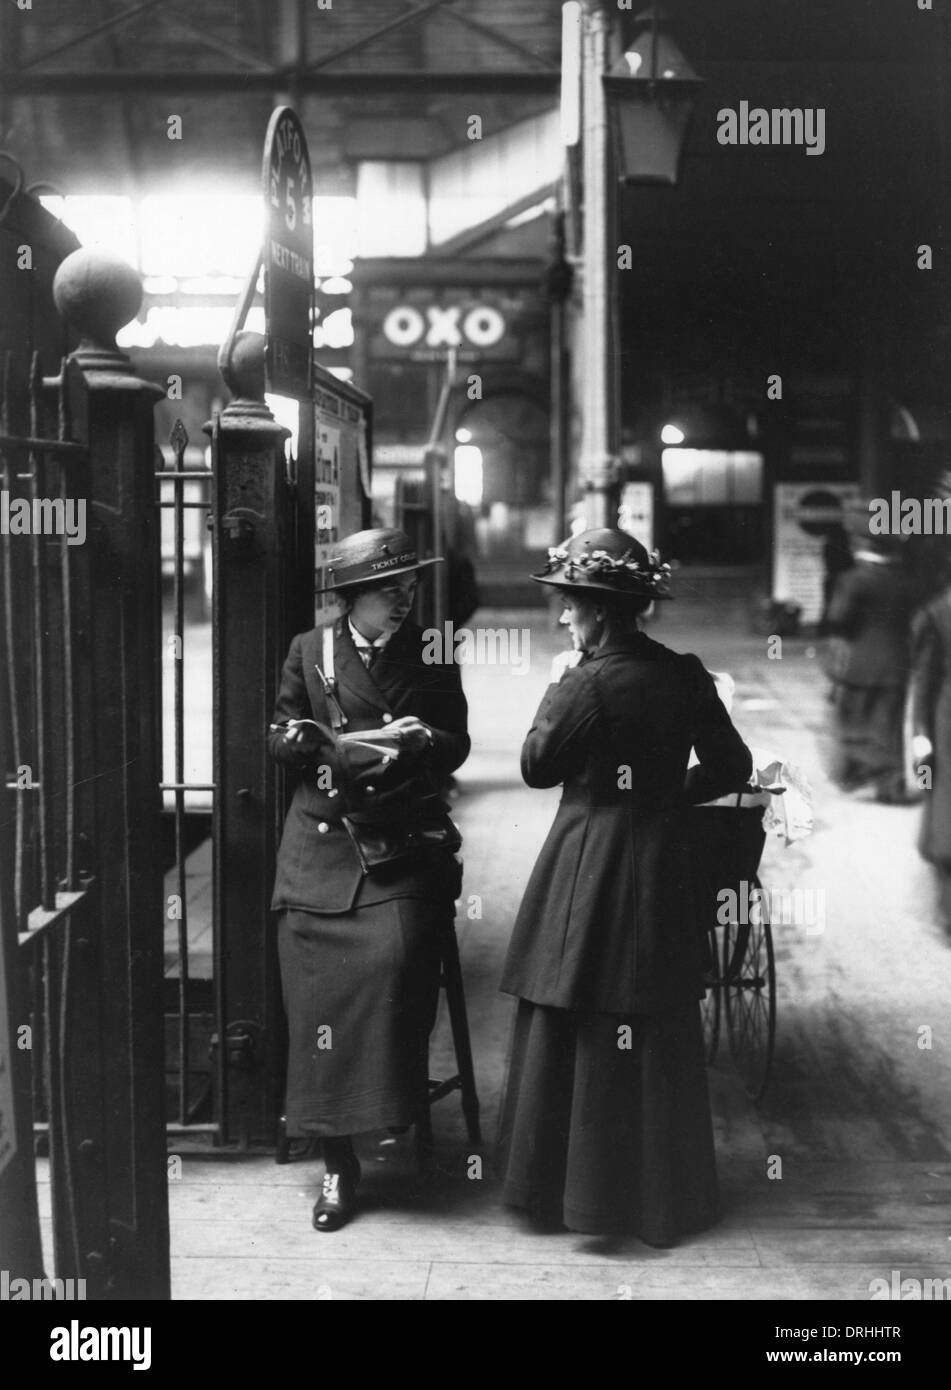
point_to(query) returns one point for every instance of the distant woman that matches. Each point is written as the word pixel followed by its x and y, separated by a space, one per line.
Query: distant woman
pixel 869 616
pixel 931 725
pixel 607 1121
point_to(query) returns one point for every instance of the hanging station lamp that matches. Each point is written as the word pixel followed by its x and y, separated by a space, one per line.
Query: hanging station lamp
pixel 650 95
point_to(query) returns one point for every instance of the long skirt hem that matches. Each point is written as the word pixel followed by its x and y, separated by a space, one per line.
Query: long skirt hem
pixel 606 1123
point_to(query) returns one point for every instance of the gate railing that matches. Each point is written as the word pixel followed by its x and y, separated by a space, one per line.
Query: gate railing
pixel 223 1012
pixel 42 483
pixel 182 490
pixel 80 881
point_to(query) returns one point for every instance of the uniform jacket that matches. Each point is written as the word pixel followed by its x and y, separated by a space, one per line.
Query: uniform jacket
pixel 317 865
pixel 606 924
pixel 871 609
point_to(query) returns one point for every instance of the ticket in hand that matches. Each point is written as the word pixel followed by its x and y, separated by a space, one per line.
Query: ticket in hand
pixel 368 745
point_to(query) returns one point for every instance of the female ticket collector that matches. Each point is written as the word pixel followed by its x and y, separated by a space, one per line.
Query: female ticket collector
pixel 359 951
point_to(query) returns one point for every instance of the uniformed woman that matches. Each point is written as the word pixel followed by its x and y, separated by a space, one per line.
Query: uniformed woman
pixel 606 1120
pixel 359 945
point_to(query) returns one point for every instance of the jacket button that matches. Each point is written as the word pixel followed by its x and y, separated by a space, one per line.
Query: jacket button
pixel 370 791
pixel 332 791
pixel 387 719
pixel 323 827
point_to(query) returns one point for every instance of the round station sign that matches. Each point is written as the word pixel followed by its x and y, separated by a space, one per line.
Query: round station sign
pixel 288 254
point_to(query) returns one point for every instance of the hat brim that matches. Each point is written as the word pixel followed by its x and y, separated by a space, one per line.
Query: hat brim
pixel 593 587
pixel 380 578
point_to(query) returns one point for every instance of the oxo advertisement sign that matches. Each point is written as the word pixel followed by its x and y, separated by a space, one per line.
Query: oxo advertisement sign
pixel 423 324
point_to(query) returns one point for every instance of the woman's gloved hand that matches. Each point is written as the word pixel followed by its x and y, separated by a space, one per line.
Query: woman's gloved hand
pixel 412 733
pixel 303 735
pixel 563 662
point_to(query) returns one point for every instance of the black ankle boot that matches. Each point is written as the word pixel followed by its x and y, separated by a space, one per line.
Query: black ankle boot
pixel 338 1195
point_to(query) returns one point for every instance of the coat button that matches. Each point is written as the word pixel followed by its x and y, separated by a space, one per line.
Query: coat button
pixel 370 791
pixel 387 719
pixel 323 827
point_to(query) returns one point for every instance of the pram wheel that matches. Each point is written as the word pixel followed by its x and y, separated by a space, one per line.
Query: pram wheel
pixel 749 995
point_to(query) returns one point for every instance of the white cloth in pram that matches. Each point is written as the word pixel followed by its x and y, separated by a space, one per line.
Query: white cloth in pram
pixel 780 787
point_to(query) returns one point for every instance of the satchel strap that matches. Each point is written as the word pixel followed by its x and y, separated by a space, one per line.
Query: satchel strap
pixel 328 679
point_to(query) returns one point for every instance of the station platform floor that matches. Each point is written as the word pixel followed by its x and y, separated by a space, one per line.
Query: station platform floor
pixel 858 1111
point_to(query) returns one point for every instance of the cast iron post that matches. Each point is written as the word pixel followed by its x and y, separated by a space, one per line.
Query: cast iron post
pixel 254 548
pixel 97 294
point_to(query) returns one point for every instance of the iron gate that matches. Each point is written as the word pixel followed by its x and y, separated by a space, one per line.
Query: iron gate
pixel 79 889
pixel 271 518
pixel 130 1042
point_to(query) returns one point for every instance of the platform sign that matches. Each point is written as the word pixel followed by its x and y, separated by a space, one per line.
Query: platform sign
pixel 802 514
pixel 288 255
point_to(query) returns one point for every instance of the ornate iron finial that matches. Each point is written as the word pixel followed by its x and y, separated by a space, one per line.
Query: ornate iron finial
pixel 98 293
pixel 244 372
pixel 179 440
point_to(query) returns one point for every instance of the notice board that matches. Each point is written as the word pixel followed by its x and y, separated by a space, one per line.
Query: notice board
pixel 339 423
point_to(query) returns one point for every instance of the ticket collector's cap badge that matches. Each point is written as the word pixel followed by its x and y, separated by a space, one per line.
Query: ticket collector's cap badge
pixel 376 554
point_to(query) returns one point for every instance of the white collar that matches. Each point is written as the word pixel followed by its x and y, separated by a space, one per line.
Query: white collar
pixel 360 641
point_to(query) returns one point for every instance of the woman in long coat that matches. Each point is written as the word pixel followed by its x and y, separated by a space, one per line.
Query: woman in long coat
pixel 360 951
pixel 870 616
pixel 606 1120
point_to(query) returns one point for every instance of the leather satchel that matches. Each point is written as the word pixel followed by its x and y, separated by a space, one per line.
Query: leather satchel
pixel 424 826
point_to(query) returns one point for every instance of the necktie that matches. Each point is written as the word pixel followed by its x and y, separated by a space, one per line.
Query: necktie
pixel 370 656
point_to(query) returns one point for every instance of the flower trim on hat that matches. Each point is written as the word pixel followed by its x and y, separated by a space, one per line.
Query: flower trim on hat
pixel 600 564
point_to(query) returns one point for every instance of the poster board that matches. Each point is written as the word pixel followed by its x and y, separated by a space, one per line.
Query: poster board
pixel 801 514
pixel 341 425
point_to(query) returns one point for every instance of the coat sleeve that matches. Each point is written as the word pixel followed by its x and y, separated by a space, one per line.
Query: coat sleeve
pixel 555 745
pixel 292 703
pixel 451 742
pixel 725 761
pixel 845 605
pixel 927 673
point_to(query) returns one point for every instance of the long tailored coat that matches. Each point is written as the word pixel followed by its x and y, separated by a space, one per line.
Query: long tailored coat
pixel 870 611
pixel 318 869
pixel 870 616
pixel 606 924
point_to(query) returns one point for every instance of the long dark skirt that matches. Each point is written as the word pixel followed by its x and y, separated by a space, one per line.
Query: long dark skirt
pixel 609 1138
pixel 360 992
pixel 868 725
